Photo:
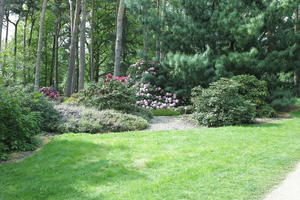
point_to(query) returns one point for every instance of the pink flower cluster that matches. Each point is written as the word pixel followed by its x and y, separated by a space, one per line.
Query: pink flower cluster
pixel 50 93
pixel 121 79
pixel 155 98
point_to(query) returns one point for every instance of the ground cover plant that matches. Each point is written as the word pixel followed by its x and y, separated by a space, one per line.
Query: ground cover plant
pixel 165 112
pixel 87 120
pixel 226 163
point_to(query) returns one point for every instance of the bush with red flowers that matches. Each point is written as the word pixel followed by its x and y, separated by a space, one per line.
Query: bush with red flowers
pixel 110 77
pixel 50 92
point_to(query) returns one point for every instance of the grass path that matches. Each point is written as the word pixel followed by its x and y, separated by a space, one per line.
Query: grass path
pixel 240 163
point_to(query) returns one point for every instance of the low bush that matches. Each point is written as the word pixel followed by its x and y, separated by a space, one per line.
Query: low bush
pixel 87 120
pixel 222 105
pixel 255 91
pixel 282 99
pixel 112 95
pixel 50 92
pixel 18 125
pixel 50 118
pixel 165 112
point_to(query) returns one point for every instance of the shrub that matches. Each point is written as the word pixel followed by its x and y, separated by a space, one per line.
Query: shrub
pixel 107 95
pixel 112 95
pixel 87 120
pixel 255 91
pixel 18 125
pixel 50 117
pixel 165 112
pixel 282 99
pixel 222 105
pixel 50 92
pixel 149 80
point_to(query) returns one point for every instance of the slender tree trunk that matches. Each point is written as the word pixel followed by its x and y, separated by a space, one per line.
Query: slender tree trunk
pixel 40 45
pixel 7 29
pixel 82 46
pixel 46 61
pixel 57 31
pixel 16 38
pixel 68 89
pixel 297 70
pixel 119 38
pixel 33 20
pixel 24 47
pixel 163 14
pixel 2 10
pixel 92 68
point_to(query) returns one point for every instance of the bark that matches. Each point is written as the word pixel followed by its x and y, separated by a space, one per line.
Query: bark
pixel 297 70
pixel 82 46
pixel 57 31
pixel 1 20
pixel 40 45
pixel 33 20
pixel 92 68
pixel 74 36
pixel 119 38
pixel 7 29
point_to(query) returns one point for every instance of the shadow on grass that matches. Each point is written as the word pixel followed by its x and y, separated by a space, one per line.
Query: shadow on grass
pixel 66 169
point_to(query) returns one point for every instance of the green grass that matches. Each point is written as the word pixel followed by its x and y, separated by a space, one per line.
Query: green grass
pixel 165 112
pixel 231 163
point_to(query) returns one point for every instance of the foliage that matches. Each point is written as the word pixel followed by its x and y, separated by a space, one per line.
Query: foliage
pixel 50 92
pixel 282 99
pixel 18 125
pixel 107 95
pixel 255 91
pixel 86 120
pixel 50 118
pixel 165 112
pixel 222 105
pixel 148 78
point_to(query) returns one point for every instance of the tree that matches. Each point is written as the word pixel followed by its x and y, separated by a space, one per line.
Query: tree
pixel 74 35
pixel 118 48
pixel 82 45
pixel 40 43
pixel 1 21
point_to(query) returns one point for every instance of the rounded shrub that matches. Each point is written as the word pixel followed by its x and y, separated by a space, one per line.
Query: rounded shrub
pixel 255 91
pixel 18 125
pixel 87 120
pixel 222 105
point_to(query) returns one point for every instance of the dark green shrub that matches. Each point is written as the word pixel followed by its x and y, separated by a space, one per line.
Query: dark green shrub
pixel 107 95
pixel 112 95
pixel 50 117
pixel 255 91
pixel 222 105
pixel 17 124
pixel 282 99
pixel 87 120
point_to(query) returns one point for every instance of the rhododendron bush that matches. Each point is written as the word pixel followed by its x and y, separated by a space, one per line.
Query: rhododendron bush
pixel 149 78
pixel 50 92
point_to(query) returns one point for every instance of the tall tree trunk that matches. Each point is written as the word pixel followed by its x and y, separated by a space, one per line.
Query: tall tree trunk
pixel 39 50
pixel 2 10
pixel 7 29
pixel 46 61
pixel 92 68
pixel 297 70
pixel 33 20
pixel 57 31
pixel 16 37
pixel 68 89
pixel 24 47
pixel 119 38
pixel 82 46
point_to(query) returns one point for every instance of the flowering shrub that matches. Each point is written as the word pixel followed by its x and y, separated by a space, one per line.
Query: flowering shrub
pixel 50 92
pixel 148 78
pixel 109 77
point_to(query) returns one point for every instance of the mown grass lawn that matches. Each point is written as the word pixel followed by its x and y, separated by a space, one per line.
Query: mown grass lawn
pixel 222 163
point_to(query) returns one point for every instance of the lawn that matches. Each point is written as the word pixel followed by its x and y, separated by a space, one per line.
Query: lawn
pixel 231 163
